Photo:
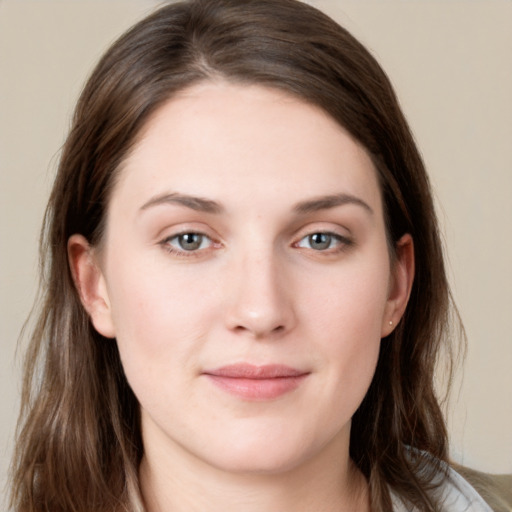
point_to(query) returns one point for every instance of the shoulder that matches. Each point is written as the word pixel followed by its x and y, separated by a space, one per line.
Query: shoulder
pixel 462 489
pixel 496 490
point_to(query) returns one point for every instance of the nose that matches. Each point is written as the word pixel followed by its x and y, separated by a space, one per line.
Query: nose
pixel 261 298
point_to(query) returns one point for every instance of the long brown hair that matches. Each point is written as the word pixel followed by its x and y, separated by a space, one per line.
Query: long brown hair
pixel 79 441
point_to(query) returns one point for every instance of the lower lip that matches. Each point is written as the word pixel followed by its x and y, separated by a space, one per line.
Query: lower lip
pixel 257 389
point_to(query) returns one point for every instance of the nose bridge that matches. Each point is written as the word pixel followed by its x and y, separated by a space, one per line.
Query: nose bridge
pixel 260 302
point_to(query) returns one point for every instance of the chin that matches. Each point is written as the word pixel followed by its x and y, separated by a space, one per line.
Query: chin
pixel 274 453
pixel 254 462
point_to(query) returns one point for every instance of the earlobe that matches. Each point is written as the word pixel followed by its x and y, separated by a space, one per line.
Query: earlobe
pixel 401 284
pixel 90 284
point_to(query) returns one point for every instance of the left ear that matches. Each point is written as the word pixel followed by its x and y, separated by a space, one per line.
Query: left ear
pixel 91 285
pixel 402 277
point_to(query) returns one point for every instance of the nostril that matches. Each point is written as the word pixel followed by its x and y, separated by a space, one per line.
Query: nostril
pixel 260 330
pixel 260 308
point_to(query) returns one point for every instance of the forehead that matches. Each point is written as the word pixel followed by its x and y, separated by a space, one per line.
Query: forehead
pixel 232 142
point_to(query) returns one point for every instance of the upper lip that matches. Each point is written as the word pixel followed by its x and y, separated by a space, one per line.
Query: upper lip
pixel 251 371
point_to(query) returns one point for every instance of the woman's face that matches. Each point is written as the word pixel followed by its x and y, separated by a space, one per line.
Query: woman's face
pixel 245 274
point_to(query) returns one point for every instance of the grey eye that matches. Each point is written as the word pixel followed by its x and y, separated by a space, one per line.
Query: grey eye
pixel 189 241
pixel 320 241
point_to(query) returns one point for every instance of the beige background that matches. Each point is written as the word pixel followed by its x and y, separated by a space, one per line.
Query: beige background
pixel 451 64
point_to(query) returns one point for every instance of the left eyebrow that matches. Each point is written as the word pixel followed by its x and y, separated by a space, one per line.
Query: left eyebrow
pixel 193 202
pixel 330 201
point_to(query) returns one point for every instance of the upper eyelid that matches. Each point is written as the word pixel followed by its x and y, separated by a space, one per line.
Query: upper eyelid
pixel 341 238
pixel 334 229
pixel 323 232
pixel 185 232
pixel 214 239
pixel 176 230
pixel 173 236
pixel 323 227
pixel 178 252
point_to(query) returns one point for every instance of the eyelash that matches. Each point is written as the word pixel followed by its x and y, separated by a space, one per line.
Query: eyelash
pixel 166 243
pixel 341 243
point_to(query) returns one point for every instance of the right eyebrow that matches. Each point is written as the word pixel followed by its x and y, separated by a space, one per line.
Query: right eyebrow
pixel 330 201
pixel 199 204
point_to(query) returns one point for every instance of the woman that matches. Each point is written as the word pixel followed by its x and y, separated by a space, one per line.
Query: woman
pixel 256 295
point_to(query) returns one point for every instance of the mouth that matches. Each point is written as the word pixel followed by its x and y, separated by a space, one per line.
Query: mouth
pixel 256 383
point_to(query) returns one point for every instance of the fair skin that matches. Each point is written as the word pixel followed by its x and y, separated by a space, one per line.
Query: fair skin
pixel 246 230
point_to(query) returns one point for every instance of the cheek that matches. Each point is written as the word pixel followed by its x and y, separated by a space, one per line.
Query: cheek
pixel 347 319
pixel 161 317
pixel 352 302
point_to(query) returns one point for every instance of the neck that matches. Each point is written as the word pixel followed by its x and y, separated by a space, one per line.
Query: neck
pixel 326 484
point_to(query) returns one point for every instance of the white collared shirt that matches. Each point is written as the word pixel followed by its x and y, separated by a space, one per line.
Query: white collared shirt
pixel 455 495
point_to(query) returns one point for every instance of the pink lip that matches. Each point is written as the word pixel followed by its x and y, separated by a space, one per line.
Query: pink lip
pixel 257 383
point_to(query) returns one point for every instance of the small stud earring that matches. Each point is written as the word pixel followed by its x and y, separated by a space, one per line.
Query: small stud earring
pixel 391 322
